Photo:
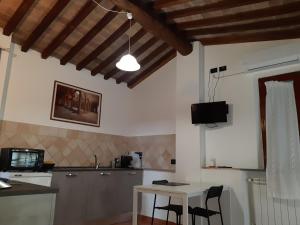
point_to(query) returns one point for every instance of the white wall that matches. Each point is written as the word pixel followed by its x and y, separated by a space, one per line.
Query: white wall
pixel 154 114
pixel 4 68
pixel 239 143
pixel 155 103
pixel 188 77
pixel 183 85
pixel 31 86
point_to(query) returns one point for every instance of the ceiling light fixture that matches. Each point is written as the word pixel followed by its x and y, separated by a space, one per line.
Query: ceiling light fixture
pixel 128 62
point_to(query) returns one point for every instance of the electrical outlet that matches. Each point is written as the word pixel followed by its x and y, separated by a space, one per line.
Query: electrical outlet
pixel 214 70
pixel 222 68
pixel 173 161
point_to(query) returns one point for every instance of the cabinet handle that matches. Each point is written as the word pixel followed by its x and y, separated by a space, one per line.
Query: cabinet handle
pixel 105 174
pixel 18 175
pixel 71 175
pixel 132 173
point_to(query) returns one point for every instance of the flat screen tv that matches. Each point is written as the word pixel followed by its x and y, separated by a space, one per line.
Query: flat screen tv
pixel 210 112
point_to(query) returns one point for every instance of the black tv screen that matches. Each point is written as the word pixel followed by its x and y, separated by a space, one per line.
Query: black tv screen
pixel 211 112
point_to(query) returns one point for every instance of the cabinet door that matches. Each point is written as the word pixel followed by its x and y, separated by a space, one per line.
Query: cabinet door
pixel 71 202
pixel 102 198
pixel 127 180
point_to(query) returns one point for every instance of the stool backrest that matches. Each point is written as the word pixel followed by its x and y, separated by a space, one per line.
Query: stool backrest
pixel 214 192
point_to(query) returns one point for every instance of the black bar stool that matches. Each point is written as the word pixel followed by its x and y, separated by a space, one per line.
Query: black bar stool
pixel 213 192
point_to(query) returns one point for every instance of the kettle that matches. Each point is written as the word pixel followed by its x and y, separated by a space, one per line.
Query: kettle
pixel 136 161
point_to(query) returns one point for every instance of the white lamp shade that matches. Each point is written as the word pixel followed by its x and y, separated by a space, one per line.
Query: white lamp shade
pixel 128 63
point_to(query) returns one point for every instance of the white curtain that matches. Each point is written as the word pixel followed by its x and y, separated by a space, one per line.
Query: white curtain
pixel 283 147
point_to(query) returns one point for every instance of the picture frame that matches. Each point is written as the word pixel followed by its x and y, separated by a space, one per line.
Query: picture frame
pixel 74 104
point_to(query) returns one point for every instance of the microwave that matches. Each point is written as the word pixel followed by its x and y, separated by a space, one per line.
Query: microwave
pixel 21 159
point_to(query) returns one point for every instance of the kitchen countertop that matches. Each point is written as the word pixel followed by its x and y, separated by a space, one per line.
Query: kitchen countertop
pixel 82 168
pixel 21 188
pixel 78 168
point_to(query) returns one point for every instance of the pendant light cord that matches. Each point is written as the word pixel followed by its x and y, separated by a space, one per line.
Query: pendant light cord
pixel 108 10
pixel 129 35
pixel 129 16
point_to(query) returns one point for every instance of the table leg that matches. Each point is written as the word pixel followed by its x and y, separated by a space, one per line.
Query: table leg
pixel 185 213
pixel 135 208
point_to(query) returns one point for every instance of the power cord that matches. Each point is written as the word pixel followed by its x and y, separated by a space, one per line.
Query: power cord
pixel 214 92
pixel 210 74
pixel 211 98
pixel 108 10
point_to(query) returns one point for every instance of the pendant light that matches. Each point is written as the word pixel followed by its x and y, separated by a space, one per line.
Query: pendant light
pixel 128 62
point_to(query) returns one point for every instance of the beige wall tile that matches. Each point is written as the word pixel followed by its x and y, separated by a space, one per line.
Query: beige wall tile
pixel 67 147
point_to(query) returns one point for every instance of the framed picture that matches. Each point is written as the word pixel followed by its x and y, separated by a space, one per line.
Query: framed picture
pixel 75 105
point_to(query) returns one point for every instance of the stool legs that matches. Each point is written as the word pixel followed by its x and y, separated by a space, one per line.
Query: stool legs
pixel 154 203
pixel 220 209
pixel 168 211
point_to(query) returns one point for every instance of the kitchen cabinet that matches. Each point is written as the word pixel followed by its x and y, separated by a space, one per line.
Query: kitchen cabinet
pixel 125 193
pixel 102 201
pixel 71 200
pixel 92 195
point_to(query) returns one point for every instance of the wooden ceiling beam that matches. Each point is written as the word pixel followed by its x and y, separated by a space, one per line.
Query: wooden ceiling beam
pixel 152 68
pixel 150 22
pixel 44 24
pixel 148 44
pixel 152 55
pixel 99 26
pixel 242 16
pixel 167 3
pixel 257 25
pixel 136 53
pixel 252 37
pixel 220 5
pixel 111 73
pixel 104 45
pixel 69 28
pixel 116 55
pixel 14 21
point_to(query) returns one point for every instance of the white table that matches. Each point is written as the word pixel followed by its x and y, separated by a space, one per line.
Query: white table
pixel 180 192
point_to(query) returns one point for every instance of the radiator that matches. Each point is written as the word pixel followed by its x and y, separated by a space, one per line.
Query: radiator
pixel 265 210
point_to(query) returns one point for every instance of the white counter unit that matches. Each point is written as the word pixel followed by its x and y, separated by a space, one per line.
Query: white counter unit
pixel 38 178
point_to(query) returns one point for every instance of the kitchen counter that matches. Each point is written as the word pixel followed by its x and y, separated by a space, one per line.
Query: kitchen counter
pixel 76 168
pixel 20 188
pixel 160 170
pixel 103 193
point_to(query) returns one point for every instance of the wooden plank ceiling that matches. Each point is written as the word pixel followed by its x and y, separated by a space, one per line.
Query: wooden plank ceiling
pixel 81 33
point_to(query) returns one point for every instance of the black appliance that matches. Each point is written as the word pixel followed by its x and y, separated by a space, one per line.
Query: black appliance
pixel 125 161
pixel 21 159
pixel 210 112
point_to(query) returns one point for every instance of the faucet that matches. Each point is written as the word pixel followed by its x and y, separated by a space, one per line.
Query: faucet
pixel 97 165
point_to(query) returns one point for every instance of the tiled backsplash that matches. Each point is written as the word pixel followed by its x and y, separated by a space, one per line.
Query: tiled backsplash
pixel 68 147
